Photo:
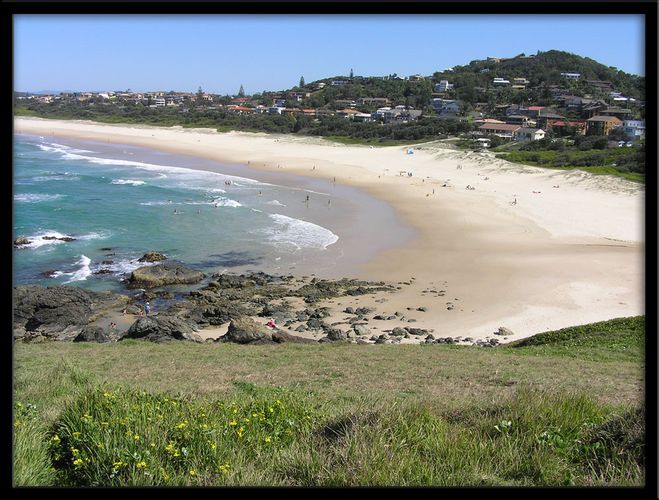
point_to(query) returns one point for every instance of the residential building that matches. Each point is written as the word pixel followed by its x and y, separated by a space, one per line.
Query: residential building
pixel 635 129
pixel 571 76
pixel 298 96
pixel 275 110
pixel 339 82
pixel 159 102
pixel 416 78
pixel 401 115
pixel 622 113
pixel 500 82
pixel 555 124
pixel 525 134
pixel 233 108
pixel 347 113
pixel 503 130
pixel 544 116
pixel 518 120
pixel 373 100
pixel 446 106
pixel 345 103
pixel 363 117
pixel 443 86
pixel 602 125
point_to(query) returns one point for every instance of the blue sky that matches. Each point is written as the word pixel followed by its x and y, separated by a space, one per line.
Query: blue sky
pixel 268 52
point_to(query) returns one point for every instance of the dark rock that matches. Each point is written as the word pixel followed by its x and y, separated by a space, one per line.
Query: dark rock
pixel 105 249
pixel 21 240
pixel 92 334
pixel 107 262
pixel 389 318
pixel 59 311
pixel 316 324
pixel 66 238
pixel 246 331
pixel 422 309
pixel 363 311
pixel 152 257
pixel 103 271
pixel 281 337
pixel 398 332
pixel 416 331
pixel 301 328
pixel 163 274
pixel 335 334
pixel 380 317
pixel 430 337
pixel 362 342
pixel 49 274
pixel 161 329
pixel 349 310
pixel 504 331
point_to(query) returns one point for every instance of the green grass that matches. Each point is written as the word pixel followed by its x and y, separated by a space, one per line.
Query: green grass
pixel 542 412
pixel 621 339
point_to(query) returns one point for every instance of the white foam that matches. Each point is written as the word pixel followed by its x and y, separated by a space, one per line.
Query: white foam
pixel 226 202
pixel 36 198
pixel 130 182
pixel 277 203
pixel 38 240
pixel 299 233
pixel 82 273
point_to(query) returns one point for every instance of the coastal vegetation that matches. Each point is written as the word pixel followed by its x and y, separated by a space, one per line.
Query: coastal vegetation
pixel 136 413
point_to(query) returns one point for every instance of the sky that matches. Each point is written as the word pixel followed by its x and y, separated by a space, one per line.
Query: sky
pixel 219 53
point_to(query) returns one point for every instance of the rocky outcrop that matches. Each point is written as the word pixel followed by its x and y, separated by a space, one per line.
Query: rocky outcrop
pixel 161 329
pixel 246 331
pixel 504 331
pixel 281 337
pixel 163 274
pixel 59 312
pixel 92 334
pixel 152 257
pixel 20 241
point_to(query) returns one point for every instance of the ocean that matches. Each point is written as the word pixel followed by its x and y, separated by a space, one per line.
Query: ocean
pixel 119 201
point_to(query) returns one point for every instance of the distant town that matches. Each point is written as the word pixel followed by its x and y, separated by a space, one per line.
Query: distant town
pixel 552 95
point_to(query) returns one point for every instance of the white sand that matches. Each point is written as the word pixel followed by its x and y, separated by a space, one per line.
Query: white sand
pixel 558 257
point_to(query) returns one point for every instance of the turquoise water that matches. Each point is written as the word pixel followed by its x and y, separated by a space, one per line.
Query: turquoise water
pixel 120 201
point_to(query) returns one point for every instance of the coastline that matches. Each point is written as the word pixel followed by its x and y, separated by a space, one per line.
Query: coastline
pixel 558 257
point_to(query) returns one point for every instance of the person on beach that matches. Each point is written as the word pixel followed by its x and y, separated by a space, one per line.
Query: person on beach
pixel 147 308
pixel 307 200
pixel 271 323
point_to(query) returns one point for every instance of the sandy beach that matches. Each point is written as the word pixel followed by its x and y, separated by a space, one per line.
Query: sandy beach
pixel 529 249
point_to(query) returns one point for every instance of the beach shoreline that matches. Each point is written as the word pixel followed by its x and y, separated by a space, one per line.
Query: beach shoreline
pixel 557 257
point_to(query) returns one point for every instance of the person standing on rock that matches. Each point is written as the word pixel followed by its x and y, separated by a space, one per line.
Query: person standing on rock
pixel 147 308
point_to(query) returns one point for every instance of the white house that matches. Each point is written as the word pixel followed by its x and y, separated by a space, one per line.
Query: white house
pixel 529 134
pixel 500 81
pixel 571 76
pixel 635 129
pixel 275 110
pixel 443 86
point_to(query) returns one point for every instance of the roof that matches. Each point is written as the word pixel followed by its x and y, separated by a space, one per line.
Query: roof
pixel 536 108
pixel 499 126
pixel 527 129
pixel 604 118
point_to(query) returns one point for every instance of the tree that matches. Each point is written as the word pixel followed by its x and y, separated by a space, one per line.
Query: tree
pixel 200 93
pixel 241 92
pixel 301 84
pixel 351 73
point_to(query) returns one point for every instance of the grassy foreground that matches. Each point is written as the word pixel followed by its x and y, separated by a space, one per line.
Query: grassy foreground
pixel 562 408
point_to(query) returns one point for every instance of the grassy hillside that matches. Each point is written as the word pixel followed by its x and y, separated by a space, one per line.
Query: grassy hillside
pixel 563 409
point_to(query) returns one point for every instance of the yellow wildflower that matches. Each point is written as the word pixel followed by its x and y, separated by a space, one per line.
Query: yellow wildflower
pixel 77 462
pixel 193 472
pixel 136 437
pixel 55 439
pixel 76 435
pixel 233 423
pixel 267 439
pixel 224 468
pixel 17 423
pixel 99 445
pixel 141 465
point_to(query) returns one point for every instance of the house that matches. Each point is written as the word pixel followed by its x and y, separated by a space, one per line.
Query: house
pixel 602 125
pixel 571 101
pixel 345 103
pixel 446 106
pixel 399 115
pixel 347 113
pixel 622 113
pixel 416 78
pixel 503 130
pixel 571 76
pixel 635 129
pixel 374 100
pixel 240 100
pixel 275 110
pixel 524 134
pixel 544 116
pixel 363 117
pixel 298 96
pixel 593 109
pixel 443 86
pixel 578 125
pixel 319 85
pixel 379 114
pixel 339 82
pixel 159 102
pixel 518 120
pixel 309 112
pixel 500 82
pixel 484 142
pixel 532 111
pixel 600 85
pixel 279 102
pixel 239 109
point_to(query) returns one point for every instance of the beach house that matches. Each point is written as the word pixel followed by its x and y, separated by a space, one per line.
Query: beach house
pixel 602 125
